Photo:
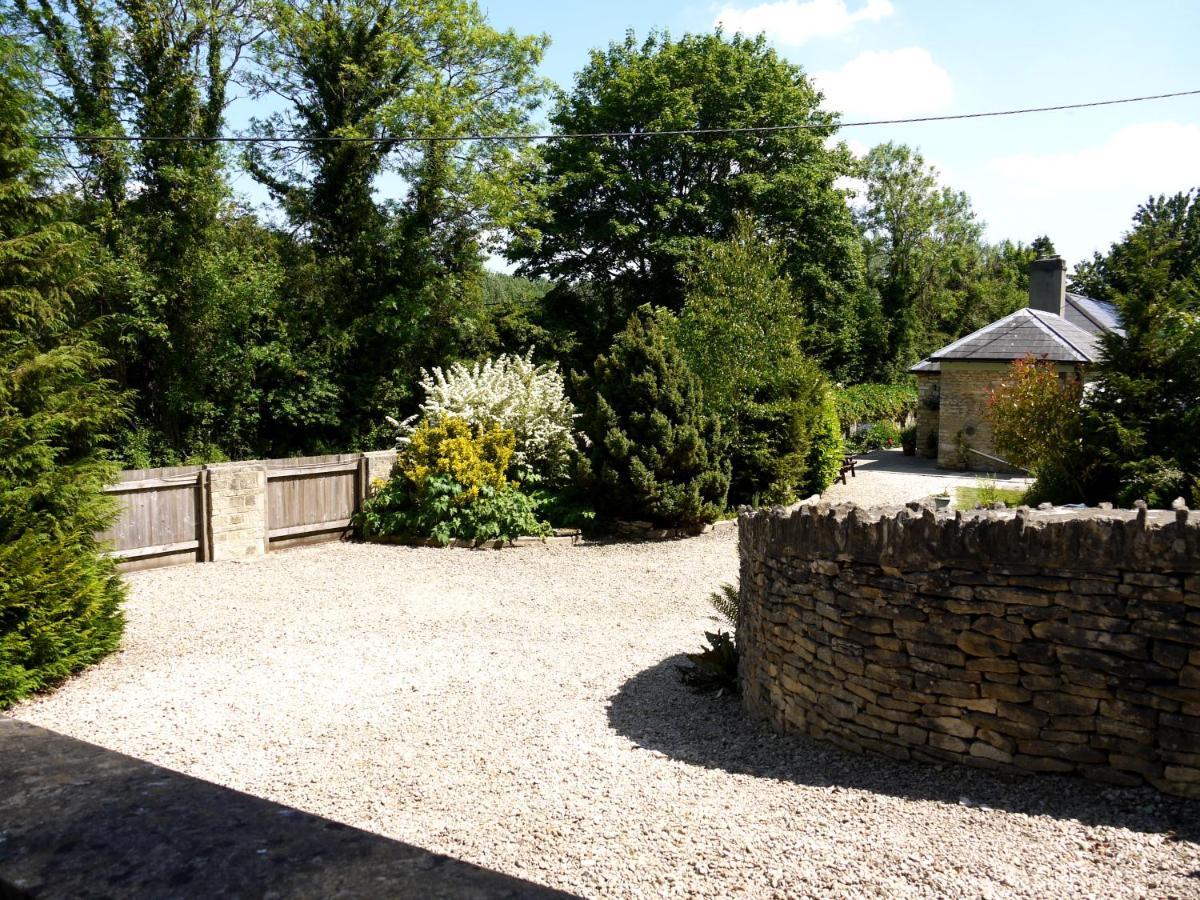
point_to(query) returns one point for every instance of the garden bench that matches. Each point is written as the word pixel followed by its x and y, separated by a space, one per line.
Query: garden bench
pixel 848 464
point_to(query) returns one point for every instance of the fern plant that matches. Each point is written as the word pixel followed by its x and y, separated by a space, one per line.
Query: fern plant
pixel 715 667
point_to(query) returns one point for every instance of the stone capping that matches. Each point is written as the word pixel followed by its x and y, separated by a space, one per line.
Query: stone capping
pixel 1029 640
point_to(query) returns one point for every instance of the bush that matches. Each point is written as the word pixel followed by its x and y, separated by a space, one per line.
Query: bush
pixel 656 455
pixel 908 440
pixel 60 596
pixel 1037 422
pixel 739 331
pixel 449 483
pixel 715 667
pixel 827 449
pixel 513 394
pixel 875 403
pixel 877 436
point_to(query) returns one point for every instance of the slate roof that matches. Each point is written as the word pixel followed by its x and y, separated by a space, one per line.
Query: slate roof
pixel 1027 332
pixel 1093 316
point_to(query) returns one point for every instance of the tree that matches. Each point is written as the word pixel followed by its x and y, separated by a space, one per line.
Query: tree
pixel 59 596
pixel 401 285
pixel 1037 425
pixel 926 259
pixel 741 332
pixel 655 453
pixel 1142 416
pixel 625 215
pixel 171 288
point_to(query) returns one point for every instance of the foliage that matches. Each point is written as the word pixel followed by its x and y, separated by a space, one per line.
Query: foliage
pixel 741 333
pixel 474 458
pixel 715 667
pixel 401 286
pixel 449 483
pixel 627 216
pixel 827 451
pixel 438 509
pixel 59 596
pixel 935 278
pixel 1036 422
pixel 514 394
pixel 656 454
pixel 1142 416
pixel 874 403
pixel 986 493
pixel 876 436
pixel 908 440
pixel 726 602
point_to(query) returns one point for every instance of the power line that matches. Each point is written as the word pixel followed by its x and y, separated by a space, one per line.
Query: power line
pixel 597 135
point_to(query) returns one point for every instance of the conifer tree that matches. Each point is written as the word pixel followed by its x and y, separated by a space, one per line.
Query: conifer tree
pixel 59 595
pixel 656 455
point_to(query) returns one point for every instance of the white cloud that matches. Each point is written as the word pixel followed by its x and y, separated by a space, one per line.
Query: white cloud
pixel 792 22
pixel 891 83
pixel 1160 152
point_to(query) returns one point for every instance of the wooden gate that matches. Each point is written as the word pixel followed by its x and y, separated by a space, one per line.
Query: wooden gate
pixel 163 519
pixel 313 498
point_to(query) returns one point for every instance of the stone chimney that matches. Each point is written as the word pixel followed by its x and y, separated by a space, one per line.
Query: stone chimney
pixel 1048 284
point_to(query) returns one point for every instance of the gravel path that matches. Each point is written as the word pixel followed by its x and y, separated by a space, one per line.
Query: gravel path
pixel 889 478
pixel 520 710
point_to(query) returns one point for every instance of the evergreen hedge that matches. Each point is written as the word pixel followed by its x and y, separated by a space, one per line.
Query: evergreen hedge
pixel 60 596
pixel 655 455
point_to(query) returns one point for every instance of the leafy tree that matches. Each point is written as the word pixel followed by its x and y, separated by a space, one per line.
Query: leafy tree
pixel 59 596
pixel 172 288
pixel 656 454
pixel 625 215
pixel 1037 424
pixel 935 278
pixel 401 285
pixel 740 331
pixel 1142 416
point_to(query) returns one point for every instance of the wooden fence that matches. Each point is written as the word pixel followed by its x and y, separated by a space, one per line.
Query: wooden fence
pixel 189 514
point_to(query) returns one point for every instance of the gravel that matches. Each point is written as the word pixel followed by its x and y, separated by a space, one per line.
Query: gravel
pixel 889 478
pixel 520 710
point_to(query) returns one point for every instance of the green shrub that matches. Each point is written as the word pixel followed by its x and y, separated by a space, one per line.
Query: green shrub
pixel 875 403
pixel 448 484
pixel 826 450
pixel 60 597
pixel 877 436
pixel 740 333
pixel 908 440
pixel 655 454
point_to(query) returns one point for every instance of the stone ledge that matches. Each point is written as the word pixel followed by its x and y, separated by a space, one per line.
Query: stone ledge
pixel 81 821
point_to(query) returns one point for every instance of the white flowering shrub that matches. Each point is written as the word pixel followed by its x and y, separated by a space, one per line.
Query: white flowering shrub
pixel 514 393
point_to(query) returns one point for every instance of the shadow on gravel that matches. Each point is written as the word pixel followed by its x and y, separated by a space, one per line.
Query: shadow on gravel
pixel 658 713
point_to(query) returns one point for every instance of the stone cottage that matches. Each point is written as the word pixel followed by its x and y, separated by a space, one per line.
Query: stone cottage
pixel 953 383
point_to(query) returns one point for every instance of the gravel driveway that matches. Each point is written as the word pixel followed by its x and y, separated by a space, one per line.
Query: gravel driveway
pixel 519 710
pixel 889 478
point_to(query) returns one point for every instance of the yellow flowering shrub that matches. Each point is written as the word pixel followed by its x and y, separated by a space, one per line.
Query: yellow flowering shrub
pixel 451 448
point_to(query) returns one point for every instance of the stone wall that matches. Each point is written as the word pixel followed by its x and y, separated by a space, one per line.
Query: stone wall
pixel 1057 641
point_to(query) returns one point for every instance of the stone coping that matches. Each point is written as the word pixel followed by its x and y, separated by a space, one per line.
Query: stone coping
pixel 77 820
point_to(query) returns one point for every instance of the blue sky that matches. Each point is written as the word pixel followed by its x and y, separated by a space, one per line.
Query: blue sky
pixel 1077 176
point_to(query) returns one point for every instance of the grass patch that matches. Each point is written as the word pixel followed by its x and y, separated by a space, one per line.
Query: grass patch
pixel 985 493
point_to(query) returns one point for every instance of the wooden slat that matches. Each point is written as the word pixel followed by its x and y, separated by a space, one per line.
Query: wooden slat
pixel 320 469
pixel 151 484
pixel 310 528
pixel 135 552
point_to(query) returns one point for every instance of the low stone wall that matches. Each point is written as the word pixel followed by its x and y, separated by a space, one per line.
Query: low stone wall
pixel 1057 641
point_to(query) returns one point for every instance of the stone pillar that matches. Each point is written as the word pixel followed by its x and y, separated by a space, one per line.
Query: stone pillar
pixel 379 467
pixel 237 509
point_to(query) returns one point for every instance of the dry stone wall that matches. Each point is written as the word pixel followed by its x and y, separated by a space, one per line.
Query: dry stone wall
pixel 1056 641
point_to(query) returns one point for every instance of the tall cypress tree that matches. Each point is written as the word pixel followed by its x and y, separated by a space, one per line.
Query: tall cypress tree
pixel 59 595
